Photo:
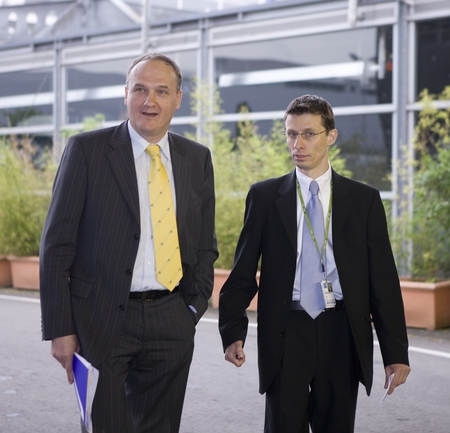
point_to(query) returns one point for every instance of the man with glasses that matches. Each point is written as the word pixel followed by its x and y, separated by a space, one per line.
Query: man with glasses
pixel 327 275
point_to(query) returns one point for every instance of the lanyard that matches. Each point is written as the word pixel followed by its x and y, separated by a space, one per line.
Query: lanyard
pixel 325 241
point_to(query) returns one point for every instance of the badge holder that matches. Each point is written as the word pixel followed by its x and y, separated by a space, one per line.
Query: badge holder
pixel 328 294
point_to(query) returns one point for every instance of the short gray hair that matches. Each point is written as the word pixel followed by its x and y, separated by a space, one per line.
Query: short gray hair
pixel 161 57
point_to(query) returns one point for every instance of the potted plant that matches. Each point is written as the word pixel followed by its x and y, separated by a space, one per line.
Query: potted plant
pixel 5 271
pixel 25 186
pixel 422 236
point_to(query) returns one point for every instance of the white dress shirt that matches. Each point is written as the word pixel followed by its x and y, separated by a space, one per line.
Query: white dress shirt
pixel 144 273
pixel 324 182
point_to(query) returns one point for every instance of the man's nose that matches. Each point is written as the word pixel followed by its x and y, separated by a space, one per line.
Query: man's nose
pixel 297 143
pixel 150 100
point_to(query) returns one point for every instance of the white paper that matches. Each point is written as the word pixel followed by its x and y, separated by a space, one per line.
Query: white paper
pixel 388 386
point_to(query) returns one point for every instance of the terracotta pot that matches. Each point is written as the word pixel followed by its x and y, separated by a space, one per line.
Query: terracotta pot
pixel 5 272
pixel 25 272
pixel 427 305
pixel 220 276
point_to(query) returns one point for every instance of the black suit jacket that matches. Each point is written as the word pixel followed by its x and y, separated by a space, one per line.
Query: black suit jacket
pixel 365 265
pixel 91 235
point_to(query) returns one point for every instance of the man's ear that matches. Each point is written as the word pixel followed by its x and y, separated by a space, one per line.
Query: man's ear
pixel 179 97
pixel 332 136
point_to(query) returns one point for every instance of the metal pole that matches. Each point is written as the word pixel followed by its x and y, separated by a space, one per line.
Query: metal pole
pixel 57 103
pixel 352 12
pixel 403 187
pixel 146 7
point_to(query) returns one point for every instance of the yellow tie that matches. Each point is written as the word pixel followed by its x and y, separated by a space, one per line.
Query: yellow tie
pixel 164 223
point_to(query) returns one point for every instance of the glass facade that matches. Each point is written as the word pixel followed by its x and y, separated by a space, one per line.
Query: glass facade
pixel 365 143
pixel 26 98
pixel 259 55
pixel 346 68
pixel 96 88
pixel 99 87
pixel 433 55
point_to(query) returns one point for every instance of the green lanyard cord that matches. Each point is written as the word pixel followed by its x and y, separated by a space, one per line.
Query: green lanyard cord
pixel 325 241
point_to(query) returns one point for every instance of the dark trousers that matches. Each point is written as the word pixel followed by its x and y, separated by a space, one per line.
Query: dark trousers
pixel 317 383
pixel 142 384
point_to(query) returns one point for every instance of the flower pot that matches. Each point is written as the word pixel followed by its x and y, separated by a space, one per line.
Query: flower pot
pixel 427 305
pixel 25 272
pixel 220 276
pixel 5 272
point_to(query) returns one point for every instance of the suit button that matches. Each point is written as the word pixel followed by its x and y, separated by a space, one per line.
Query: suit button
pixel 128 272
pixel 283 334
pixel 136 236
pixel 121 307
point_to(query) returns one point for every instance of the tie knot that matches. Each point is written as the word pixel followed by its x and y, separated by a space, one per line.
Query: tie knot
pixel 154 151
pixel 314 187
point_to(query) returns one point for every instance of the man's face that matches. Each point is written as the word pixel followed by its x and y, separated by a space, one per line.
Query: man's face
pixel 151 97
pixel 310 154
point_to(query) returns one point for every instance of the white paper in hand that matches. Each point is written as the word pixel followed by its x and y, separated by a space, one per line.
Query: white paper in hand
pixel 387 389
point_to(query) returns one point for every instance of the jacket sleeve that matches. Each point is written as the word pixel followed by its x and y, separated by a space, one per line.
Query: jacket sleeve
pixel 385 294
pixel 58 243
pixel 202 279
pixel 241 286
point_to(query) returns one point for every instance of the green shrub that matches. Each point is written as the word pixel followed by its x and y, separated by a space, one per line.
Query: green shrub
pixel 422 237
pixel 25 189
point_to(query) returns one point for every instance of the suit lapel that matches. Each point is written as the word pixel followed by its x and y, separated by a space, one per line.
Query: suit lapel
pixel 181 166
pixel 342 203
pixel 286 205
pixel 122 163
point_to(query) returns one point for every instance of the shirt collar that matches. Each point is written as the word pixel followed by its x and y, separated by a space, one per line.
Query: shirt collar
pixel 139 144
pixel 323 181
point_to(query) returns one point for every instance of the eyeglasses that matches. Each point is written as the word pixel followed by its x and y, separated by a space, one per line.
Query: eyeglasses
pixel 292 136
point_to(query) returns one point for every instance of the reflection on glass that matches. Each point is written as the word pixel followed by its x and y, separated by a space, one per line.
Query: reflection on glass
pixel 26 98
pixel 99 74
pixel 99 88
pixel 365 143
pixel 189 130
pixel 433 55
pixel 347 68
pixel 112 109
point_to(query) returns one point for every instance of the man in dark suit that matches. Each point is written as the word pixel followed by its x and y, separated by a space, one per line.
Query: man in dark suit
pixel 101 293
pixel 310 361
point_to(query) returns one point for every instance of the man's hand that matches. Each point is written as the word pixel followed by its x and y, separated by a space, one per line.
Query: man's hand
pixel 235 354
pixel 63 349
pixel 400 371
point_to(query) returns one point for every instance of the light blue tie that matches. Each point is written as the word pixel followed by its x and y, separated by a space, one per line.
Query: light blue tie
pixel 311 297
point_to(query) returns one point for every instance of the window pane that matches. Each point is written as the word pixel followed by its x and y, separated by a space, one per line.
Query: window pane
pixel 365 143
pixel 191 130
pixel 433 57
pixel 347 68
pixel 26 98
pixel 100 87
pixel 95 88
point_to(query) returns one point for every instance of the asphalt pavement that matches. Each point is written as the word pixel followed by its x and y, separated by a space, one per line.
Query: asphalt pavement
pixel 36 398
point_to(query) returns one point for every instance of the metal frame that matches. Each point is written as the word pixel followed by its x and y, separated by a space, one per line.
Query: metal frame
pixel 251 24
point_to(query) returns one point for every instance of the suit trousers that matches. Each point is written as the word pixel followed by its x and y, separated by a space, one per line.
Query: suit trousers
pixel 142 383
pixel 317 382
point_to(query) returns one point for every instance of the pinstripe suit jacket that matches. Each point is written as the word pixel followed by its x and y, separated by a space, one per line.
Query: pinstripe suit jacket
pixel 91 235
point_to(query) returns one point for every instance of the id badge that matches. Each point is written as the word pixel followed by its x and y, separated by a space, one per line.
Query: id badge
pixel 328 294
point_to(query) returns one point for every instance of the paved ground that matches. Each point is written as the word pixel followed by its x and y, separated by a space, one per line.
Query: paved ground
pixel 35 397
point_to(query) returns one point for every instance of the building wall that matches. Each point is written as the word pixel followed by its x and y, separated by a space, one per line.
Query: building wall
pixel 370 68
